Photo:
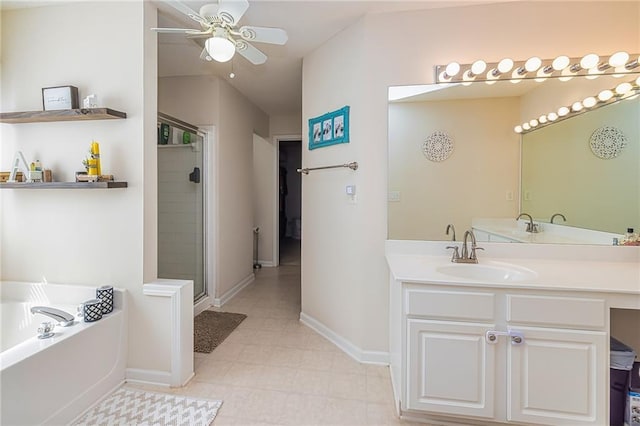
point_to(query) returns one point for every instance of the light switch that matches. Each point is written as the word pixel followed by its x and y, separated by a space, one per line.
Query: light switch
pixel 351 190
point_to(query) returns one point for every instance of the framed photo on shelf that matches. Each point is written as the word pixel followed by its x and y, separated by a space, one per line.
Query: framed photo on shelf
pixel 329 129
pixel 60 97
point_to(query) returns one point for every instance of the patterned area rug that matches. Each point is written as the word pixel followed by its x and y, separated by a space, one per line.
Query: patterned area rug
pixel 137 407
pixel 210 328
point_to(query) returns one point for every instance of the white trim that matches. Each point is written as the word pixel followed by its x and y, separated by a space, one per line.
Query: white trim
pixel 275 193
pixel 202 305
pixel 148 377
pixel 211 212
pixel 180 294
pixel 266 263
pixel 366 357
pixel 219 301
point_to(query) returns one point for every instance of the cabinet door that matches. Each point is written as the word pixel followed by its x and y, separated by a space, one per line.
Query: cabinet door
pixel 558 377
pixel 451 368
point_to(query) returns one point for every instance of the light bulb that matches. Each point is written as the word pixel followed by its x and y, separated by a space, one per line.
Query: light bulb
pixel 517 129
pixel 505 65
pixel 566 74
pixel 541 75
pixel 562 111
pixel 605 95
pixel 577 106
pixel 618 59
pixel 623 88
pixel 552 116
pixel 526 126
pixel 590 102
pixel 532 64
pixel 533 123
pixel 594 73
pixel 589 61
pixel 560 62
pixel 443 76
pixel 452 69
pixel 542 119
pixel 478 67
pixel 232 75
pixel 516 75
pixel 220 49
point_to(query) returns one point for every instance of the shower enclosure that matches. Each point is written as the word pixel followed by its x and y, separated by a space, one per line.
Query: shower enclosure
pixel 181 202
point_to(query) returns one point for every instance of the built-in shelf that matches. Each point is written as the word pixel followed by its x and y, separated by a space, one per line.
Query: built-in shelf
pixel 63 185
pixel 61 115
pixel 170 145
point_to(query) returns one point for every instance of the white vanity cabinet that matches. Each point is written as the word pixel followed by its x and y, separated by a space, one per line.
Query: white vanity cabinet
pixel 544 361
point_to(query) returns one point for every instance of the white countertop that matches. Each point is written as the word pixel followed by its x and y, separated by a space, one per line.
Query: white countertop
pixel 582 268
pixel 548 232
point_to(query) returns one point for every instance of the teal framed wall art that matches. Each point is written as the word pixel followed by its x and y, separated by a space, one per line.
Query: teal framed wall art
pixel 329 129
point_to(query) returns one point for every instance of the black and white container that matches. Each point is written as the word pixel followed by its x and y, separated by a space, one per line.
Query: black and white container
pixel 105 294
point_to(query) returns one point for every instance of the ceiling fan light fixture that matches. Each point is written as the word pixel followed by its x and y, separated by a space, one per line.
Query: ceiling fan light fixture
pixel 220 49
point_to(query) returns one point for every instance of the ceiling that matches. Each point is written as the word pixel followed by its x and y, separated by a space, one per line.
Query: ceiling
pixel 276 86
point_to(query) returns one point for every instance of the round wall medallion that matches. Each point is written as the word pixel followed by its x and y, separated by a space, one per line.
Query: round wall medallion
pixel 438 146
pixel 607 142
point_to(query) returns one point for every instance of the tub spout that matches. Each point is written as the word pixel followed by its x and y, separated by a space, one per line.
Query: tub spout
pixel 65 318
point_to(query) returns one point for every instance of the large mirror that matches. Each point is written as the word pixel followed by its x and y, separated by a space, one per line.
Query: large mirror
pixel 454 158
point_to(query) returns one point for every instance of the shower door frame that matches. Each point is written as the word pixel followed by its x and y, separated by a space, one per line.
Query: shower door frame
pixel 206 132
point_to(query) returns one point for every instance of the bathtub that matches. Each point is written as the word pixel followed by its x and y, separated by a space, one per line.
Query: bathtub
pixel 54 380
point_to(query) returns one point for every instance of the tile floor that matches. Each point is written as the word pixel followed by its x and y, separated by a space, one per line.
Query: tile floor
pixel 274 370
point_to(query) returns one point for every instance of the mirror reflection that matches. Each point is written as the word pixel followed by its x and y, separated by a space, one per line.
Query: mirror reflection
pixel 454 158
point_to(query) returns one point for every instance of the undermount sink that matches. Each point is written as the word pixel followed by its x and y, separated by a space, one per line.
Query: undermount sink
pixel 493 272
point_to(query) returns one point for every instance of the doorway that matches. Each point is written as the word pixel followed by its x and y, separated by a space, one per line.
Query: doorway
pixel 182 177
pixel 289 202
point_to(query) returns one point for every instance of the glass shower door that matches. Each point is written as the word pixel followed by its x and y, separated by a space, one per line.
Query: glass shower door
pixel 181 227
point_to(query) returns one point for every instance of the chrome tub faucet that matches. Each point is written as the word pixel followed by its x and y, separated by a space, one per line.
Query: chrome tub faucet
pixel 564 219
pixel 64 318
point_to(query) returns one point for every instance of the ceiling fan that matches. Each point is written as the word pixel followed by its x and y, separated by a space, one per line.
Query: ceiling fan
pixel 219 25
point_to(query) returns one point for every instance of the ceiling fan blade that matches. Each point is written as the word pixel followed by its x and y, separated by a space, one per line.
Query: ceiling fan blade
pixel 189 31
pixel 181 7
pixel 252 54
pixel 230 11
pixel 264 34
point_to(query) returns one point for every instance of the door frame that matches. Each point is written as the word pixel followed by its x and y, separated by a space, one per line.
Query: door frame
pixel 210 212
pixel 276 194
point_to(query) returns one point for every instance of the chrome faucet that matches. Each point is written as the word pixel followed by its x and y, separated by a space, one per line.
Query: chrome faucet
pixel 531 227
pixel 453 228
pixel 466 257
pixel 558 214
pixel 64 318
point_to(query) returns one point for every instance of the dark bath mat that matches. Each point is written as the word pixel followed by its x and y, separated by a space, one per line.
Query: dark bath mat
pixel 211 328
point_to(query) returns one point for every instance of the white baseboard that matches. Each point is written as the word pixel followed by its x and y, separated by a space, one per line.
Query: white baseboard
pixel 202 305
pixel 266 263
pixel 219 301
pixel 366 357
pixel 148 377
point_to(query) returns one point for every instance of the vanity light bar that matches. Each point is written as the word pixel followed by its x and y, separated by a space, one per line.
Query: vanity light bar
pixel 539 69
pixel 626 90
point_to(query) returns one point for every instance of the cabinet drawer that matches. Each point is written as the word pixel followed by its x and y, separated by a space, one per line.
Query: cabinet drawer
pixel 556 311
pixel 450 304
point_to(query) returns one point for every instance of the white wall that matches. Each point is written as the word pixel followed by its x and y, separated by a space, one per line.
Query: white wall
pixel 264 196
pixel 472 182
pixel 91 237
pixel 205 101
pixel 344 275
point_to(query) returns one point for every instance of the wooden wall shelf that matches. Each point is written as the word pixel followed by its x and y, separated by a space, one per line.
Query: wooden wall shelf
pixel 62 185
pixel 61 115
